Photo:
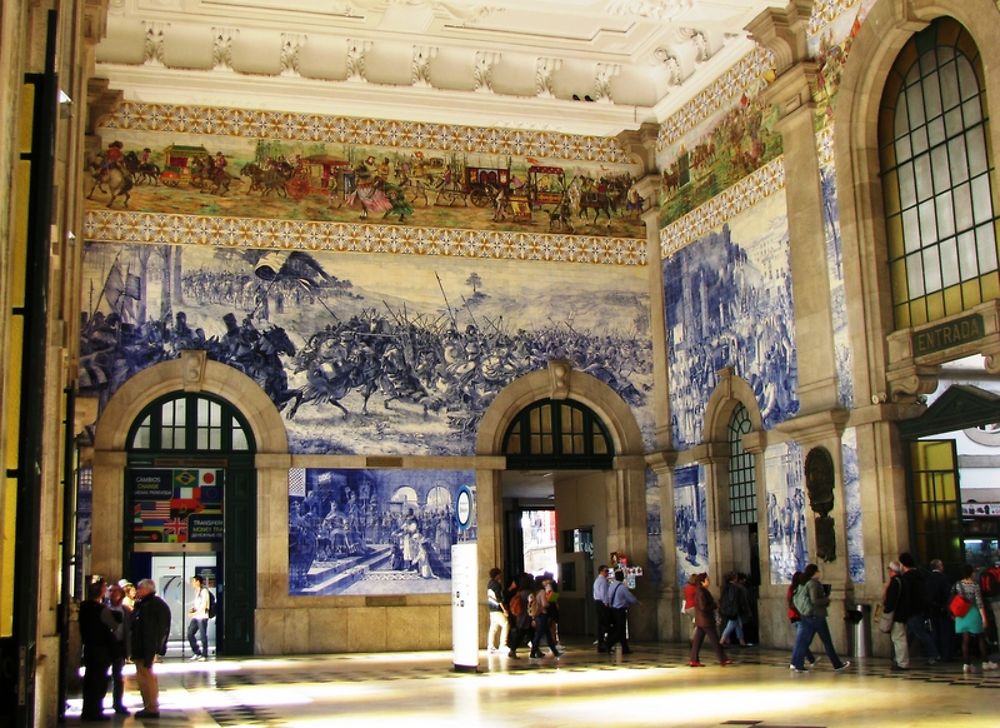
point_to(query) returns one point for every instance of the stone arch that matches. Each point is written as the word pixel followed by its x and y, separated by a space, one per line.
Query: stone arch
pixel 192 372
pixel 560 381
pixel 731 392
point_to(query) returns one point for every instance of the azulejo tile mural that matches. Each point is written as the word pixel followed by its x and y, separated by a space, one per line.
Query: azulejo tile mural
pixel 287 166
pixel 728 301
pixel 365 353
pixel 367 532
pixel 690 521
pixel 786 513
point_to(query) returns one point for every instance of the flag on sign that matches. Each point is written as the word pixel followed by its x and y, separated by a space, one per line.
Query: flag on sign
pixel 176 530
pixel 207 477
pixel 152 511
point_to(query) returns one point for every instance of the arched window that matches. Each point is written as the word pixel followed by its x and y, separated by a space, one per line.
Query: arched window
pixel 742 481
pixel 192 423
pixel 558 434
pixel 935 168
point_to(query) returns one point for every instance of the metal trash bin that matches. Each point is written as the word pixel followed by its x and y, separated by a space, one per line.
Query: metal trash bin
pixel 859 630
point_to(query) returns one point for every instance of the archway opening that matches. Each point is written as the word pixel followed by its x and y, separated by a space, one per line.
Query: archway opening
pixel 190 510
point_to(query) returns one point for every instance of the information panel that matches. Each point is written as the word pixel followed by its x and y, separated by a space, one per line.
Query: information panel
pixel 464 607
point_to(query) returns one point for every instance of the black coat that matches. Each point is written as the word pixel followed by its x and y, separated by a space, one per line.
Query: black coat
pixel 98 640
pixel 150 628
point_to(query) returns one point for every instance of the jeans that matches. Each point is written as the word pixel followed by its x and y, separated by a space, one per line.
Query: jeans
pixel 917 626
pixel 808 628
pixel 735 624
pixel 195 628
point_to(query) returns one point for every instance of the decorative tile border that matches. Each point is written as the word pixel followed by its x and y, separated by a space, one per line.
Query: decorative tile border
pixel 745 75
pixel 113 226
pixel 318 128
pixel 826 11
pixel 746 193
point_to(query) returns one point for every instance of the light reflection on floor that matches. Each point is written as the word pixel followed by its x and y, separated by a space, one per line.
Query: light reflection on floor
pixel 651 687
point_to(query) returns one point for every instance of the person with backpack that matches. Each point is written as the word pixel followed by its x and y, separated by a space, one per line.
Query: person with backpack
pixel 972 624
pixel 793 614
pixel 989 584
pixel 811 600
pixel 734 607
pixel 200 612
pixel 538 611
pixel 520 625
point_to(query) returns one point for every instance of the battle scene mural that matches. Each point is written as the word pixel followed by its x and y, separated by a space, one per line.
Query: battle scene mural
pixel 371 531
pixel 365 353
pixel 728 301
pixel 852 497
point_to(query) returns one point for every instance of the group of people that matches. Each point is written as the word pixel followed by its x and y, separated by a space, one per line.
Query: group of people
pixel 527 612
pixel 919 600
pixel 121 622
pixel 118 623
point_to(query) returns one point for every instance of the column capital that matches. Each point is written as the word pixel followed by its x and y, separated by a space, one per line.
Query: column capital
pixel 784 32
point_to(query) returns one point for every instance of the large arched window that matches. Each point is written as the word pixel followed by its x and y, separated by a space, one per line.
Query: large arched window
pixel 935 169
pixel 558 434
pixel 742 479
pixel 191 423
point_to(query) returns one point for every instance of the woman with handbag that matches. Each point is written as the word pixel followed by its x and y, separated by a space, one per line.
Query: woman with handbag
pixel 794 617
pixel 973 622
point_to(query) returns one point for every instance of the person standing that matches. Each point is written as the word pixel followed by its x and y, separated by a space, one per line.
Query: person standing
pixel 150 629
pixel 498 612
pixel 937 593
pixel 98 643
pixel 894 602
pixel 600 593
pixel 734 606
pixel 198 626
pixel 620 598
pixel 521 627
pixel 690 591
pixel 705 627
pixel 122 617
pixel 812 608
pixel 973 622
pixel 916 622
pixel 540 620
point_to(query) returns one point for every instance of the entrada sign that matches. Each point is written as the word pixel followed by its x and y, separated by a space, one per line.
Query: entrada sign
pixel 947 335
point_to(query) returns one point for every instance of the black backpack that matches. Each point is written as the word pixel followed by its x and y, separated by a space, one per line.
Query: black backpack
pixel 212 610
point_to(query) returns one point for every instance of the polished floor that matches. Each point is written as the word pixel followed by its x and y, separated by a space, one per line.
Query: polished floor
pixel 653 686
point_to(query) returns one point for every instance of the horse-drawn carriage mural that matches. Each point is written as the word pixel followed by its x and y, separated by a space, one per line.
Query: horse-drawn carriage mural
pixel 346 182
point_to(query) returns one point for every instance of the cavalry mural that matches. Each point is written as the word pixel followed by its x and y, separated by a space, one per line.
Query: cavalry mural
pixel 728 301
pixel 245 177
pixel 365 353
pixel 371 531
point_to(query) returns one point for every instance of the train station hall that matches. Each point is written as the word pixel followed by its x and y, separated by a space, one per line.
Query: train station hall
pixel 454 363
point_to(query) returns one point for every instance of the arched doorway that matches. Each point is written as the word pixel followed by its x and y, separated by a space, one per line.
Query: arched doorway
pixel 124 442
pixel 190 473
pixel 571 448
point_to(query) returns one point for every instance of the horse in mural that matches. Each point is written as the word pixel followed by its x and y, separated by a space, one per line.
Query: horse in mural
pixel 267 177
pixel 142 172
pixel 207 177
pixel 265 367
pixel 606 198
pixel 113 180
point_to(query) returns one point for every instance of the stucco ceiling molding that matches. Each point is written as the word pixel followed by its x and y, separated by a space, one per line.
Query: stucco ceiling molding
pixel 116 226
pixel 294 126
pixel 766 181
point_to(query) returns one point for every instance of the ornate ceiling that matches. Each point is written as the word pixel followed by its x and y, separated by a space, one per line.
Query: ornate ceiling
pixel 579 66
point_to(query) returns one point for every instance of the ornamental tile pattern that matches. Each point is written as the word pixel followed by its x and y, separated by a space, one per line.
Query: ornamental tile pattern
pixel 301 127
pixel 826 11
pixel 113 226
pixel 746 193
pixel 744 77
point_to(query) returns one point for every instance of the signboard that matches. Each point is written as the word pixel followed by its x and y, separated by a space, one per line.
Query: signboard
pixel 949 334
pixel 463 508
pixel 176 505
pixel 464 607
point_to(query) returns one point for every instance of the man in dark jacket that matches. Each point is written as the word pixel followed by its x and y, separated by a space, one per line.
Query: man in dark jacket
pixel 150 628
pixel 937 592
pixel 917 609
pixel 97 639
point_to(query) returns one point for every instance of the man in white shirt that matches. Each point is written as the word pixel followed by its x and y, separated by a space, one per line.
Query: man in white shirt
pixel 199 619
pixel 601 605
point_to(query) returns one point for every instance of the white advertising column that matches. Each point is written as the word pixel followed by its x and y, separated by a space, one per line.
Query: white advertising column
pixel 464 607
pixel 464 591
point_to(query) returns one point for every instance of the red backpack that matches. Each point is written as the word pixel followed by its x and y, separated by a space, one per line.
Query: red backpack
pixel 517 605
pixel 989 582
